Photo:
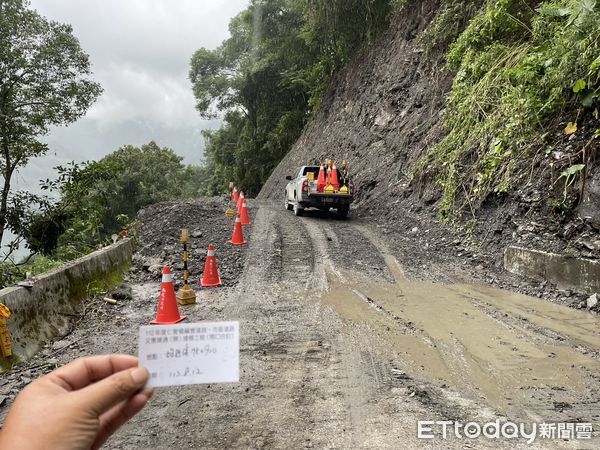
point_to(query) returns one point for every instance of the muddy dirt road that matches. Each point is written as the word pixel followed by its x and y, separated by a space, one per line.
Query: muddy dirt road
pixel 340 349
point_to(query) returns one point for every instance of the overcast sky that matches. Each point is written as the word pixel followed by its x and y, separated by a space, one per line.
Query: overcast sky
pixel 140 52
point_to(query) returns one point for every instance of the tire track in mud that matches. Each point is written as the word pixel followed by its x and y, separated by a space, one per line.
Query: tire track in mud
pixel 369 380
pixel 361 377
pixel 287 347
pixel 297 255
pixel 308 377
pixel 380 262
pixel 407 327
pixel 524 328
pixel 345 243
pixel 377 370
pixel 349 248
pixel 357 374
pixel 385 372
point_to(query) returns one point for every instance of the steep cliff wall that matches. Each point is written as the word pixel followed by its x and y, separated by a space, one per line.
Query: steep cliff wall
pixel 383 113
pixel 380 114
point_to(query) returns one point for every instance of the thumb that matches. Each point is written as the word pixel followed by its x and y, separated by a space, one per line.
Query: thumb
pixel 106 393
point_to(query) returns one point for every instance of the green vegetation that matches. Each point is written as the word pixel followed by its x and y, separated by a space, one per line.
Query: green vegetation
pixel 44 82
pixel 519 65
pixel 97 199
pixel 452 19
pixel 270 76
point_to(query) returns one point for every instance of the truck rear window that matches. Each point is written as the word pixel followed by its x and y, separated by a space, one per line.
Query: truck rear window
pixel 314 170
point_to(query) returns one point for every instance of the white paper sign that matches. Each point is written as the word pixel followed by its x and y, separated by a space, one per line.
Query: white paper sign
pixel 190 353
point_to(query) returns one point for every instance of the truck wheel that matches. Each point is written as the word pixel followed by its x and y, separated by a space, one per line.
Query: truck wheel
pixel 298 210
pixel 287 203
pixel 342 211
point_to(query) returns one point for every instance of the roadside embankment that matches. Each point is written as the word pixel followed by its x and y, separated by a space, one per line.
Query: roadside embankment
pixel 42 312
pixel 565 271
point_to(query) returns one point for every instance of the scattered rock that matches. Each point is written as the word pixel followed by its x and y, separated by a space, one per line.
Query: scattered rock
pixel 561 406
pixel 155 269
pixel 123 292
pixel 147 262
pixel 52 362
pixel 159 233
pixel 592 301
pixel 6 389
pixel 57 345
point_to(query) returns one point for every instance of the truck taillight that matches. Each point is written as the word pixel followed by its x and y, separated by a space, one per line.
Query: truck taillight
pixel 305 186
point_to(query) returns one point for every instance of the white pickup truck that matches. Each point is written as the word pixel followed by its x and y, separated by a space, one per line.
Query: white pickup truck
pixel 301 193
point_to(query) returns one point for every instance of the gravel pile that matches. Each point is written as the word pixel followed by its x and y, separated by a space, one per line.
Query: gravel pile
pixel 159 235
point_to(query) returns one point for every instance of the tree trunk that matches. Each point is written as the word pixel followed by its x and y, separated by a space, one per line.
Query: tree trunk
pixel 8 171
pixel 4 200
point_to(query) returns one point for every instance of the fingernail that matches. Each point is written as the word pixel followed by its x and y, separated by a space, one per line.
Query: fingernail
pixel 139 375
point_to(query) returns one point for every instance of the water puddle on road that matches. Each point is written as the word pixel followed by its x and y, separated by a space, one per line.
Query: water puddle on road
pixel 519 354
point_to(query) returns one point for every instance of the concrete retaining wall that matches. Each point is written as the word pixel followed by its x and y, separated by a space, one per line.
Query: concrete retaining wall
pixel 566 272
pixel 42 312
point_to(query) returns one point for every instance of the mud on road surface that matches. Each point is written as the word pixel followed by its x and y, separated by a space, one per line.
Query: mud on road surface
pixel 343 346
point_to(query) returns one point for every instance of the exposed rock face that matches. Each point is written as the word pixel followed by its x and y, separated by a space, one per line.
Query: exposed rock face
pixel 590 204
pixel 381 113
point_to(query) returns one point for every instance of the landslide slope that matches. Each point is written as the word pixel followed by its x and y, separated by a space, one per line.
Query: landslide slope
pixel 385 111
pixel 380 113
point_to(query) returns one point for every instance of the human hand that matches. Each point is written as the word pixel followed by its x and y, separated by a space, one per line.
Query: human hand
pixel 77 406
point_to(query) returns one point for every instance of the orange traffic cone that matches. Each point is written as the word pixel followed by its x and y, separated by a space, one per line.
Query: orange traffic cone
pixel 335 182
pixel 210 276
pixel 167 312
pixel 321 179
pixel 244 217
pixel 238 233
pixel 240 200
pixel 235 194
pixel 328 185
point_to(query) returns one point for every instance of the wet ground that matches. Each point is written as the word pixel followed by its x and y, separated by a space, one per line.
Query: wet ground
pixel 345 345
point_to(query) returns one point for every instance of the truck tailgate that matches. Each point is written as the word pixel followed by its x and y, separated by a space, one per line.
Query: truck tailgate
pixel 325 195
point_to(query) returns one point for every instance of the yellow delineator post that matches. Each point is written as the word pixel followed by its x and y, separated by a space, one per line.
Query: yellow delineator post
pixel 4 333
pixel 185 295
pixel 229 212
